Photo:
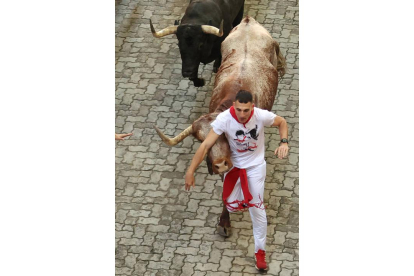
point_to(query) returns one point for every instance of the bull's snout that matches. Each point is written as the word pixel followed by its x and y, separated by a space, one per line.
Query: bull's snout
pixel 222 166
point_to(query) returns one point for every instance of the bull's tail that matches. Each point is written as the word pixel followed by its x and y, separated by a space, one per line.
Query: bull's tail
pixel 281 61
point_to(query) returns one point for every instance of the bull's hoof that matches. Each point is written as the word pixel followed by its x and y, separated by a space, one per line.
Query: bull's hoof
pixel 198 82
pixel 215 69
pixel 224 231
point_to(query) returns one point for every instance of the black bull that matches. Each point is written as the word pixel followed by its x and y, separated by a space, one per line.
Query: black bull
pixel 205 24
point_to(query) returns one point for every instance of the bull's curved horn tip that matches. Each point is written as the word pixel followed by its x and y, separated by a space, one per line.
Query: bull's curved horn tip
pixel 157 130
pixel 168 141
pixel 152 27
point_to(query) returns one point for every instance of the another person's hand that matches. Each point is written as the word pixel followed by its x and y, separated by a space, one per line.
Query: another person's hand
pixel 282 151
pixel 122 136
pixel 189 180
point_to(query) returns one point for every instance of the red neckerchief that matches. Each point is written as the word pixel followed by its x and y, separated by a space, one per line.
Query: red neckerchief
pixel 233 114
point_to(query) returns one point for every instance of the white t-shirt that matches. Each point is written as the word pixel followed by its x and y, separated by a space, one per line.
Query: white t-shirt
pixel 246 140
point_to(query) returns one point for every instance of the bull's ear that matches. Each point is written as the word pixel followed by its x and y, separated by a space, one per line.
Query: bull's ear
pixel 210 22
pixel 177 22
pixel 209 165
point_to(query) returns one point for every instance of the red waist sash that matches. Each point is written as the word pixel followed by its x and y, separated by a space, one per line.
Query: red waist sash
pixel 229 182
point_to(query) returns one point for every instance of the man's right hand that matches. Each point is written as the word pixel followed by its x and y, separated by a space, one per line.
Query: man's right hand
pixel 189 180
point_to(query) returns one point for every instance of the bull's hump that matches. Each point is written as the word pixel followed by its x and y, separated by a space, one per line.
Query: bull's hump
pixel 252 44
pixel 247 65
pixel 200 12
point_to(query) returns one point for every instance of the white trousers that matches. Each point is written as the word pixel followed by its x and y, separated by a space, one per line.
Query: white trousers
pixel 256 177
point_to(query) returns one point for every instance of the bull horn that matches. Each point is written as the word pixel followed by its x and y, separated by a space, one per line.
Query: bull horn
pixel 177 139
pixel 213 30
pixel 167 31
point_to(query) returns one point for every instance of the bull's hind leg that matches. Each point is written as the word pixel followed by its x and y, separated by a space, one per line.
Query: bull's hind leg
pixel 224 227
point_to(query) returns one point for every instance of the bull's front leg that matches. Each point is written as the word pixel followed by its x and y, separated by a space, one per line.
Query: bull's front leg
pixel 224 227
pixel 198 82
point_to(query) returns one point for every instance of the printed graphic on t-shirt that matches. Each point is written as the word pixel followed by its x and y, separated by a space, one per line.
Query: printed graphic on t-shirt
pixel 246 140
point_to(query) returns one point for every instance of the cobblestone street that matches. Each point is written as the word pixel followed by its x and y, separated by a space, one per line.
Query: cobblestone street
pixel 160 228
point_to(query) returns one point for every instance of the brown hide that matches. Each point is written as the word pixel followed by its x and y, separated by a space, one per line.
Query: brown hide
pixel 249 63
pixel 220 151
pixel 251 60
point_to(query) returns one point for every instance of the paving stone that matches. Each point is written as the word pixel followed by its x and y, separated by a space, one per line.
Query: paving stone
pixel 292 235
pixel 168 254
pixel 158 265
pixel 286 272
pixel 196 259
pixel 206 267
pixel 225 264
pixel 282 256
pixel 198 223
pixel 295 272
pixel 175 244
pixel 233 253
pixel 274 267
pixel 222 245
pixel 187 251
pixel 140 267
pixel 178 262
pixel 289 265
pixel 123 270
pixel 149 257
pixel 148 220
pixel 279 237
pixel 215 256
pixel 205 248
pixel 123 234
pixel 187 269
pixel 196 243
pixel 184 237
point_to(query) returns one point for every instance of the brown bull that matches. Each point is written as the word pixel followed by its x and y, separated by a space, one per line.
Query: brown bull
pixel 251 61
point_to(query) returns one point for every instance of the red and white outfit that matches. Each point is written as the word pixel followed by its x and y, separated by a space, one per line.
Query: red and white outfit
pixel 249 167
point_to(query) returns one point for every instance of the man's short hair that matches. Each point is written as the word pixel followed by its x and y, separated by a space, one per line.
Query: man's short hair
pixel 244 96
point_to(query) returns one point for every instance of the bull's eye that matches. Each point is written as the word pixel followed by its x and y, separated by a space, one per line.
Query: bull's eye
pixel 217 167
pixel 225 163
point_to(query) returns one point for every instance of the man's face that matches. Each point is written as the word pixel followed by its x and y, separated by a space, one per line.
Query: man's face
pixel 243 110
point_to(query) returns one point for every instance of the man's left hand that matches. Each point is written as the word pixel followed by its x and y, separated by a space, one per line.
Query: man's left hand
pixel 122 136
pixel 282 151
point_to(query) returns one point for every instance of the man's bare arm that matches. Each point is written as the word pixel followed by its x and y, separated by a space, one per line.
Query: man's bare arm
pixel 199 157
pixel 122 136
pixel 283 149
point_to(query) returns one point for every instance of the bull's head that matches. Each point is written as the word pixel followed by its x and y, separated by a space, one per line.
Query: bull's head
pixel 218 158
pixel 193 44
